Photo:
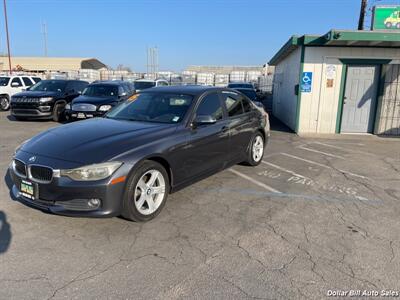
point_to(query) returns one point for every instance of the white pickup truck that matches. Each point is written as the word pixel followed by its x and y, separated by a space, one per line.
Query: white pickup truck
pixel 10 85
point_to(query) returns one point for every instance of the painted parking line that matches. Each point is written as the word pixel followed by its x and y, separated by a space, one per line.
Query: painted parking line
pixel 293 196
pixel 322 165
pixel 303 147
pixel 342 148
pixel 284 169
pixel 256 182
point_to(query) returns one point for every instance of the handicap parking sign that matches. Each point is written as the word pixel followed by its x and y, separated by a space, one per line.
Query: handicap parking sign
pixel 306 82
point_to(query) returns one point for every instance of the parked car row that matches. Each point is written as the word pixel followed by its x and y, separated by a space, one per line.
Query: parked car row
pixel 70 99
pixel 59 99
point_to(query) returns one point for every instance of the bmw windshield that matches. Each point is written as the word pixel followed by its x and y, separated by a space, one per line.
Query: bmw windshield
pixel 153 107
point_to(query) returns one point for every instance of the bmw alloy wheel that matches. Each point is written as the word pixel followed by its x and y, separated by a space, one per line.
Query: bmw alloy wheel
pixel 149 192
pixel 258 148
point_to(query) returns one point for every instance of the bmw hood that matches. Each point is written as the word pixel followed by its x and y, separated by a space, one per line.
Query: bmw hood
pixel 95 140
pixel 37 94
pixel 94 100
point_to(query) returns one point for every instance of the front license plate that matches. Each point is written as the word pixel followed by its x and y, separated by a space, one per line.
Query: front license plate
pixel 81 116
pixel 28 189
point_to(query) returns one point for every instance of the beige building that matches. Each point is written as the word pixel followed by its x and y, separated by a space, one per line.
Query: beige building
pixel 340 82
pixel 46 64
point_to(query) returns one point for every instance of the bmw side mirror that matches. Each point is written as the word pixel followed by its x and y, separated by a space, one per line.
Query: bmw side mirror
pixel 203 120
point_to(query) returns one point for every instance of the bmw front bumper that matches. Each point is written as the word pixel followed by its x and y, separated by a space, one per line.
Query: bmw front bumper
pixel 65 196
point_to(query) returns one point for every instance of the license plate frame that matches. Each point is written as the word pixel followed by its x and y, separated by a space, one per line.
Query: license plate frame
pixel 81 116
pixel 28 189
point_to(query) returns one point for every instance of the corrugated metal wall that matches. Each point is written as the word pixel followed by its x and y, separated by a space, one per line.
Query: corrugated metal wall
pixel 388 121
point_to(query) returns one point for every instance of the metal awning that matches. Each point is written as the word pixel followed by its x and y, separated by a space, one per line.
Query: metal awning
pixel 339 38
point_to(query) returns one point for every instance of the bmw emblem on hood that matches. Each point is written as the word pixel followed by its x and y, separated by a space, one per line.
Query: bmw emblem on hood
pixel 32 159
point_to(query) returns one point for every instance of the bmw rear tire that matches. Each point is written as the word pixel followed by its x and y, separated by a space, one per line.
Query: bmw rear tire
pixel 255 151
pixel 146 192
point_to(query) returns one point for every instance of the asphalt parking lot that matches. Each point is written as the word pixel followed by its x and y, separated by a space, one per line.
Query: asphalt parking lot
pixel 318 214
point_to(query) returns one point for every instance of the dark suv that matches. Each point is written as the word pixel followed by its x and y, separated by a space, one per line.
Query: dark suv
pixel 98 98
pixel 46 99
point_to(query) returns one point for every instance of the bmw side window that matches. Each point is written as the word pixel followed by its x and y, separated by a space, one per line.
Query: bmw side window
pixel 233 103
pixel 210 106
pixel 27 81
pixel 16 82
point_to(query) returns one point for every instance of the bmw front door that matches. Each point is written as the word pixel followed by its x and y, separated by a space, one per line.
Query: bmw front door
pixel 208 144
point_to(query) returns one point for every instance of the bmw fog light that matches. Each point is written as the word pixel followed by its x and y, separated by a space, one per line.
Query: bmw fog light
pixel 94 203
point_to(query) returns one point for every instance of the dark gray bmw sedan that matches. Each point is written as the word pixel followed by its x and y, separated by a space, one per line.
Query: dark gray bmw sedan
pixel 126 163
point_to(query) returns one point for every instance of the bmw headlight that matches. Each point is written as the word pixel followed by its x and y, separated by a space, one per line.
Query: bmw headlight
pixel 45 99
pixel 68 106
pixel 105 108
pixel 92 172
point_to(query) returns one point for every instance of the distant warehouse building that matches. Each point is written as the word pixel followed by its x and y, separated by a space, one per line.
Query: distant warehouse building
pixel 50 64
pixel 340 82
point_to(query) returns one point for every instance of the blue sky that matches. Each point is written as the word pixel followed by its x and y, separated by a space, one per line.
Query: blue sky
pixel 199 32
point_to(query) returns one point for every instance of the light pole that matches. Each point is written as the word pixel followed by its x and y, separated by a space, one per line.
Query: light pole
pixel 8 38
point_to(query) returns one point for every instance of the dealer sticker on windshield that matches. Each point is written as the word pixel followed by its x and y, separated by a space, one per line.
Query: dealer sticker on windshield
pixel 175 119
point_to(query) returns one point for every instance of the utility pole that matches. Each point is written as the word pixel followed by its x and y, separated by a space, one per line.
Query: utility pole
pixel 44 32
pixel 8 38
pixel 363 10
